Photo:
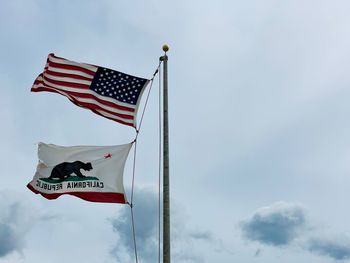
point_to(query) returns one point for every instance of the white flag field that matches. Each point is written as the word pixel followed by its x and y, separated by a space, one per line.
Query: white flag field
pixel 92 173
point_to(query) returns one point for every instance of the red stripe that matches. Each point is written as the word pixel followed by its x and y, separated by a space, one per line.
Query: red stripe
pixel 96 107
pixel 120 121
pixel 66 75
pixel 89 96
pixel 107 103
pixel 66 84
pixel 88 196
pixel 70 67
pixel 89 106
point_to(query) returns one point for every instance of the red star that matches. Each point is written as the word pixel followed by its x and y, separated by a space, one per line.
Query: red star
pixel 108 155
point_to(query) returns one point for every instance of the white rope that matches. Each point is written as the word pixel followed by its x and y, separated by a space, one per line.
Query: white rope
pixel 131 204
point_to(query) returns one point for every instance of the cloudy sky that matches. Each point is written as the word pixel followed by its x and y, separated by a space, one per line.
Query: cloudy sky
pixel 259 129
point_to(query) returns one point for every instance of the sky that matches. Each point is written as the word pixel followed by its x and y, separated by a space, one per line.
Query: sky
pixel 259 130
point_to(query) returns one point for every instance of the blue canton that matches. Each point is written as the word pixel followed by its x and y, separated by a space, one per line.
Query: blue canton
pixel 117 85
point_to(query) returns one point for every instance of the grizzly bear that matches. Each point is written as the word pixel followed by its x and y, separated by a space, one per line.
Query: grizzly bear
pixel 63 170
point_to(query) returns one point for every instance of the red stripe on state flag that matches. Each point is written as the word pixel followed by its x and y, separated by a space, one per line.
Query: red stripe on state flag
pixel 87 196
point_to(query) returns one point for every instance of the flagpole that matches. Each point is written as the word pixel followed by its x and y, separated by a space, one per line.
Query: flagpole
pixel 166 192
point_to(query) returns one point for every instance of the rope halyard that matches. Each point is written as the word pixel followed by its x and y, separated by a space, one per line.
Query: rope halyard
pixel 131 203
pixel 148 94
pixel 138 131
pixel 133 231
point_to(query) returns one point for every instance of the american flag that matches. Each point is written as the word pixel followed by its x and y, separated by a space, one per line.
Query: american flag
pixel 109 93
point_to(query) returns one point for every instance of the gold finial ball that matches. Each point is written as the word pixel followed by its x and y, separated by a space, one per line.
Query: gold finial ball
pixel 165 48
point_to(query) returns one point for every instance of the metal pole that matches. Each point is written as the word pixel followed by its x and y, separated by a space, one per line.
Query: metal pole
pixel 166 192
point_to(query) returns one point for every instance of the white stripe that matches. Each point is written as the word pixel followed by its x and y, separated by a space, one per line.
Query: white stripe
pixel 68 71
pixel 67 79
pixel 49 82
pixel 72 63
pixel 53 89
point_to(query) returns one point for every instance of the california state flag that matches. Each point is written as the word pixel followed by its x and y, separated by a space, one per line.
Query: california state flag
pixel 92 173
